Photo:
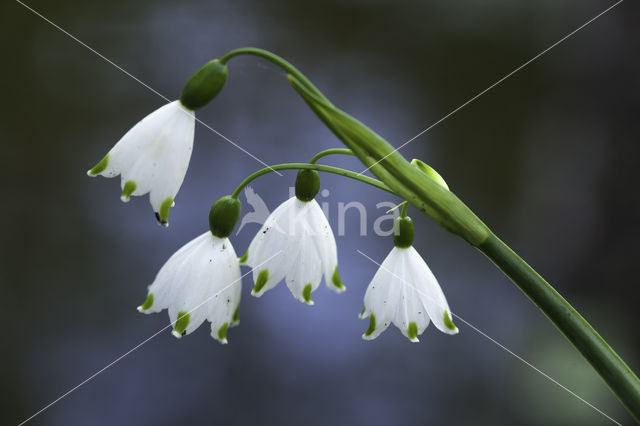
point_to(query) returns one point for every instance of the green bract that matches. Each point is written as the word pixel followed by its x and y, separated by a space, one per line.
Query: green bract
pixel 307 185
pixel 429 171
pixel 393 169
pixel 204 85
pixel 224 215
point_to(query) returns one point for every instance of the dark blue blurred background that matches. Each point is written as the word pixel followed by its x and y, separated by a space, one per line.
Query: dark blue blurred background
pixel 548 159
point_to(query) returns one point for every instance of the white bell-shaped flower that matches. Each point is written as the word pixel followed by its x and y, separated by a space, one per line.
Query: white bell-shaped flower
pixel 200 281
pixel 405 292
pixel 153 157
pixel 300 234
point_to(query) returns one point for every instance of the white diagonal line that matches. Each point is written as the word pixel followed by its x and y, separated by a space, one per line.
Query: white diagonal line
pixel 142 83
pixel 97 373
pixel 496 83
pixel 518 357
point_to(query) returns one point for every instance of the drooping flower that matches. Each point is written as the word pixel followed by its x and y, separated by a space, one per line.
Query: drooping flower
pixel 153 157
pixel 299 231
pixel 202 280
pixel 405 292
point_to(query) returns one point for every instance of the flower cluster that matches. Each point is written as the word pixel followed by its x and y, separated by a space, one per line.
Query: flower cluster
pixel 202 280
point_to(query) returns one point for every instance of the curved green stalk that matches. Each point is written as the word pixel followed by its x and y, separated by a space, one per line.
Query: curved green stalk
pixel 403 211
pixel 319 167
pixel 330 151
pixel 277 60
pixel 452 214
pixel 615 372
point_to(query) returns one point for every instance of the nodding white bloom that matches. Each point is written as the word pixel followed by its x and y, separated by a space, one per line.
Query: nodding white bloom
pixel 405 292
pixel 153 157
pixel 295 243
pixel 200 281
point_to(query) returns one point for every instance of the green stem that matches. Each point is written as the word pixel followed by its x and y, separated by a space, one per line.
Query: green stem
pixel 319 167
pixel 277 60
pixel 331 151
pixel 403 211
pixel 451 213
pixel 615 372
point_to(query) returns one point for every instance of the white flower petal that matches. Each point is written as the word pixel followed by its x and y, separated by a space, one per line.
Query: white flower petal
pixel 154 156
pixel 274 248
pixel 405 292
pixel 431 294
pixel 202 279
pixel 382 295
pixel 295 243
pixel 326 246
pixel 306 272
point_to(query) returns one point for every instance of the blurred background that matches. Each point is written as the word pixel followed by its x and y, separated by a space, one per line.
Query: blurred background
pixel 548 159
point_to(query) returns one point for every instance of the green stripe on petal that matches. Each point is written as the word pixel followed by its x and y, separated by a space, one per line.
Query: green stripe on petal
pixel 412 331
pixel 128 189
pixel 100 167
pixel 236 316
pixel 335 279
pixel 372 325
pixel 147 303
pixel 222 332
pixel 181 324
pixel 163 214
pixel 306 294
pixel 448 323
pixel 244 257
pixel 263 276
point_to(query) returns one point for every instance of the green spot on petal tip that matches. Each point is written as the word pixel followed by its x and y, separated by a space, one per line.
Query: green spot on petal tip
pixel 335 279
pixel 222 332
pixel 147 303
pixel 244 257
pixel 129 188
pixel 364 309
pixel 372 326
pixel 100 167
pixel 162 216
pixel 412 332
pixel 448 323
pixel 306 294
pixel 263 276
pixel 236 316
pixel 181 324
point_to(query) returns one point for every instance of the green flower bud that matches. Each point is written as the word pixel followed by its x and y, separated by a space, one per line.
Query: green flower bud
pixel 429 171
pixel 307 184
pixel 204 85
pixel 224 216
pixel 403 232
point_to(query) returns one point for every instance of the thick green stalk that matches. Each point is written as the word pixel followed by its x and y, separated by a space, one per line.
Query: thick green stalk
pixel 615 372
pixel 319 167
pixel 447 210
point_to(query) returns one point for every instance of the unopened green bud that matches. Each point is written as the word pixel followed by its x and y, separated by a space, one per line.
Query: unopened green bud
pixel 204 85
pixel 307 184
pixel 403 232
pixel 429 171
pixel 224 215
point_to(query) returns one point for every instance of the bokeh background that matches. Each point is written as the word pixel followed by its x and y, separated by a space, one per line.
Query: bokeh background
pixel 548 159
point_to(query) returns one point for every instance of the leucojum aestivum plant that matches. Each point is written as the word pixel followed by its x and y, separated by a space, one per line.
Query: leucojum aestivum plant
pixel 202 280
